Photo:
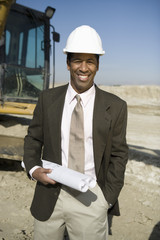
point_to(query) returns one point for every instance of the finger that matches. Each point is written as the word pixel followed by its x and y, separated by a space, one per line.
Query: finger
pixel 47 181
pixel 51 181
pixel 47 170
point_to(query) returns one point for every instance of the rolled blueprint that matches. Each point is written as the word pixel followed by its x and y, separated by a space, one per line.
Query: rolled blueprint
pixel 69 177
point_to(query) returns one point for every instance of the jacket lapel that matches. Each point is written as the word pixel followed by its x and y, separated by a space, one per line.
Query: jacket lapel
pixel 101 126
pixel 54 118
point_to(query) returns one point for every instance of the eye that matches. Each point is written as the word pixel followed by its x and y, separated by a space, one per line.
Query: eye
pixel 76 60
pixel 91 61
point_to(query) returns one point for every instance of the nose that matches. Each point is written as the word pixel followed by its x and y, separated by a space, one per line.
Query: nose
pixel 84 66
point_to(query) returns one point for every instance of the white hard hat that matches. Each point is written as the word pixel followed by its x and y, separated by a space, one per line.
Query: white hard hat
pixel 84 39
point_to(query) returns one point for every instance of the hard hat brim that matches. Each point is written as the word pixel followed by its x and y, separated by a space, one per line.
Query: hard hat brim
pixel 65 51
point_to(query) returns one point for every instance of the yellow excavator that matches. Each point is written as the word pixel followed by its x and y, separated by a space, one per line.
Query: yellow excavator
pixel 25 50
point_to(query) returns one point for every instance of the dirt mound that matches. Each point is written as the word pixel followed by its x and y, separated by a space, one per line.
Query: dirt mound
pixel 147 93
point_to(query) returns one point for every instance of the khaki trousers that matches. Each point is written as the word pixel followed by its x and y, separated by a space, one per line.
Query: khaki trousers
pixel 84 215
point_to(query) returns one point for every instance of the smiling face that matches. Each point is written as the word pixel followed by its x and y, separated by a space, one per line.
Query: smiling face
pixel 83 68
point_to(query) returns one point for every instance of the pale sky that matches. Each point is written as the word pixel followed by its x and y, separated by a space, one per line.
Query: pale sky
pixel 130 33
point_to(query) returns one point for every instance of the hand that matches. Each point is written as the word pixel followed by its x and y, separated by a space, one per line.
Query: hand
pixel 40 174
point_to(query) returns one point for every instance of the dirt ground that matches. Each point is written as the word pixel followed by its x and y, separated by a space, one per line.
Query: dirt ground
pixel 139 199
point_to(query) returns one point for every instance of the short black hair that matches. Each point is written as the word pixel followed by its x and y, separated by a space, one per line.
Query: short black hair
pixel 69 55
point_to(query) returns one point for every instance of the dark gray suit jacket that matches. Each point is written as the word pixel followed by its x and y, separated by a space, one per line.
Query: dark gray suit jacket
pixel 109 143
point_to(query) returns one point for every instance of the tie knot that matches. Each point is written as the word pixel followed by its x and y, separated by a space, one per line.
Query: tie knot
pixel 78 98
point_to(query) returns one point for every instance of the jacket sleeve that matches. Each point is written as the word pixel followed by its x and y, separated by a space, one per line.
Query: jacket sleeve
pixel 33 141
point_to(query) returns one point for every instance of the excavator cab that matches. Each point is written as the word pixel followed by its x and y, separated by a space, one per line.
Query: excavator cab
pixel 25 48
pixel 25 59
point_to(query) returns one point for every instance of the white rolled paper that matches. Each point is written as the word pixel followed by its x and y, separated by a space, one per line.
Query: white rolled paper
pixel 69 177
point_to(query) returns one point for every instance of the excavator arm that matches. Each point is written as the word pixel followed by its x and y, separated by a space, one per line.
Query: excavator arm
pixel 4 10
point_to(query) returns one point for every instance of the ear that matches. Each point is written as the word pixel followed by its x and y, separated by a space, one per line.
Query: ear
pixel 98 66
pixel 68 65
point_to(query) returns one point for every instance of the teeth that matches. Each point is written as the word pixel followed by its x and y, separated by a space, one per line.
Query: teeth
pixel 82 77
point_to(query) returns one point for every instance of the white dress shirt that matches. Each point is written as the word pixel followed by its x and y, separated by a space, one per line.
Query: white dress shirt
pixel 87 101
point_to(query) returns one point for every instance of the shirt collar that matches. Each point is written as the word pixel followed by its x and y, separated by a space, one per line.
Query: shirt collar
pixel 85 96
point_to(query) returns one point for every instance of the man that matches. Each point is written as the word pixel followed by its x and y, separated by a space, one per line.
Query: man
pixel 54 206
